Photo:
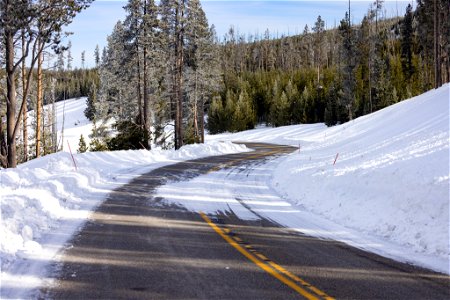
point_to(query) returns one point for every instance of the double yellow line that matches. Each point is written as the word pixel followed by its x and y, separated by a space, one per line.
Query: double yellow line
pixel 297 284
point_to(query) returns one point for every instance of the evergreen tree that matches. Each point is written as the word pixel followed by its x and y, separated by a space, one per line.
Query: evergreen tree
pixel 216 118
pixel 69 56
pixel 82 147
pixel 243 116
pixel 319 39
pixel 97 56
pixel 201 61
pixel 280 111
pixel 348 55
pixel 407 43
pixel 83 59
pixel 90 112
pixel 364 67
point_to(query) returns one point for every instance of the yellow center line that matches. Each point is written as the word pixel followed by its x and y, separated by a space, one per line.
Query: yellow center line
pixel 259 263
pixel 301 281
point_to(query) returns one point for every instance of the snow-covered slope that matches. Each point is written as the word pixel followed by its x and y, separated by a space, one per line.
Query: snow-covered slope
pixel 44 201
pixel 391 177
pixel 71 123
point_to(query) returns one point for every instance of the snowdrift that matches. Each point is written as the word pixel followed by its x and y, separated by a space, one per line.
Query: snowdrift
pixel 46 200
pixel 390 179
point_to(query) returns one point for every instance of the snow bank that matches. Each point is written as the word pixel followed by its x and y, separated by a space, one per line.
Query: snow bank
pixel 44 201
pixel 390 180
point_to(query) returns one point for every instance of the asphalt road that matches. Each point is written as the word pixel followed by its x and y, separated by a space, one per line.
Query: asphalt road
pixel 136 246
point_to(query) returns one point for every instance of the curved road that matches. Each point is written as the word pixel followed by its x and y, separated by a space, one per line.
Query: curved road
pixel 135 246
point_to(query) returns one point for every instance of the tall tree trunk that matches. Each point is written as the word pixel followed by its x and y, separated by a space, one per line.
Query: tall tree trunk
pixel 202 121
pixel 11 101
pixel 39 105
pixel 146 100
pixel 139 95
pixel 437 72
pixel 24 111
pixel 3 146
pixel 145 83
pixel 179 35
pixel 196 132
pixel 54 124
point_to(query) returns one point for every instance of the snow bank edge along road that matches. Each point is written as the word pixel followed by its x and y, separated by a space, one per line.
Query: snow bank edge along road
pixel 390 180
pixel 45 201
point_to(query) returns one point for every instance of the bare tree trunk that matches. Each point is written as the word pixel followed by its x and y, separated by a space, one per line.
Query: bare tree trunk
pixel 3 146
pixel 141 114
pixel 39 105
pixel 318 73
pixel 54 119
pixel 11 101
pixel 179 74
pixel 146 118
pixel 145 83
pixel 370 87
pixel 196 135
pixel 437 72
pixel 24 111
pixel 202 122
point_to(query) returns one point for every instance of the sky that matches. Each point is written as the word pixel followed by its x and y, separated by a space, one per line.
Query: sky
pixel 92 26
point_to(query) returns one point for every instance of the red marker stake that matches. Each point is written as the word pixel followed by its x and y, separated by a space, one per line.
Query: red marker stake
pixel 337 155
pixel 73 158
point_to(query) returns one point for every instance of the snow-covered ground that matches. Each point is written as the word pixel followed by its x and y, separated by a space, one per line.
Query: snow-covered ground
pixel 71 123
pixel 388 191
pixel 45 201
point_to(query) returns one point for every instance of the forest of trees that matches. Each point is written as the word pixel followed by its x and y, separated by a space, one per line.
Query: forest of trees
pixel 28 29
pixel 164 67
pixel 160 65
pixel 333 75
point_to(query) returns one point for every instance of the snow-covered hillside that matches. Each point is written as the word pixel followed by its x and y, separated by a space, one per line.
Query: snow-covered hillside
pixel 390 180
pixel 388 190
pixel 72 123
pixel 45 201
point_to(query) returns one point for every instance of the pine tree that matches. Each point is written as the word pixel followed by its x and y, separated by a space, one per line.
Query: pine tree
pixel 243 116
pixel 119 97
pixel 202 64
pixel 331 117
pixel 69 56
pixel 83 59
pixel 90 111
pixel 407 43
pixel 82 147
pixel 97 56
pixel 348 55
pixel 173 19
pixel 280 111
pixel 319 38
pixel 152 45
pixel 216 118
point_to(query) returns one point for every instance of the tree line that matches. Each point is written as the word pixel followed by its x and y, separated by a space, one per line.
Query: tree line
pixel 27 29
pixel 165 76
pixel 333 75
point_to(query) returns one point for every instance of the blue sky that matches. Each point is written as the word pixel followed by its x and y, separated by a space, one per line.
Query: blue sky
pixel 92 26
